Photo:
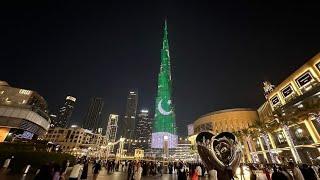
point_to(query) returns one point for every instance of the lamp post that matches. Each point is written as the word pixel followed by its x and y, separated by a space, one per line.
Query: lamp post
pixel 165 146
pixel 121 145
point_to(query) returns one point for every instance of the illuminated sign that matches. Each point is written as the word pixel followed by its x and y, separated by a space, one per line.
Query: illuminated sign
pixel 24 91
pixel 287 91
pixel 275 100
pixel 71 98
pixel 304 79
pixel 25 135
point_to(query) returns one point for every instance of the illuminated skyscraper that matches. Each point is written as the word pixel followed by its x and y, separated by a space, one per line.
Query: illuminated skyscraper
pixel 92 119
pixel 164 121
pixel 65 112
pixel 143 130
pixel 112 128
pixel 129 121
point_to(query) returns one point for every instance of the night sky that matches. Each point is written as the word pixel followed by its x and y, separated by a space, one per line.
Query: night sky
pixel 221 51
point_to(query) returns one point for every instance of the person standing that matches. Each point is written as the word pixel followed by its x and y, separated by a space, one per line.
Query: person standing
pixel 159 166
pixel 130 170
pixel 181 171
pixel 84 173
pixel 76 171
pixel 96 169
pixel 138 172
pixel 297 174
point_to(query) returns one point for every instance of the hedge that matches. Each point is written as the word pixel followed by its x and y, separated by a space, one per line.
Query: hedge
pixel 24 155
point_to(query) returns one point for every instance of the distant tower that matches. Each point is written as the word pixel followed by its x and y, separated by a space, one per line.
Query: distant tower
pixel 164 121
pixel 92 118
pixel 143 129
pixel 129 122
pixel 112 128
pixel 65 112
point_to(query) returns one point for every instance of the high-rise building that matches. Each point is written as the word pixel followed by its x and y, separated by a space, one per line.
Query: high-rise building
pixel 65 112
pixel 164 129
pixel 92 118
pixel 143 130
pixel 112 128
pixel 129 122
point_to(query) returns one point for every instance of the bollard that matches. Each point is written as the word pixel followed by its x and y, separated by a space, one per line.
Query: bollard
pixel 27 169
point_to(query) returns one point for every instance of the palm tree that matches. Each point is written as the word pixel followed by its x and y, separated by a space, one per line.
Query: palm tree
pixel 284 122
pixel 263 129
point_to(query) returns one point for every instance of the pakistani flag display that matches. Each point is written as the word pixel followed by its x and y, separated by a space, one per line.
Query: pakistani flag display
pixel 164 120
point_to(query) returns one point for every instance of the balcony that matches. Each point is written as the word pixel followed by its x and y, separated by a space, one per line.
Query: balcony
pixel 24 117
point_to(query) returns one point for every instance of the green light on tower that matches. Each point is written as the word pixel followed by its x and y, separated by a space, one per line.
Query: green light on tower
pixel 164 120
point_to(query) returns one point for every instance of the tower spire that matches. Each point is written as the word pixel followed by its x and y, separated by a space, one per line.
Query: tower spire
pixel 164 121
pixel 165 43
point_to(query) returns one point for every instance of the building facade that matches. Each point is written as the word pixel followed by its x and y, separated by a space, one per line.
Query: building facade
pixel 143 130
pixel 228 120
pixel 129 121
pixel 64 115
pixel 292 107
pixel 23 113
pixel 285 127
pixel 112 128
pixel 164 127
pixel 77 141
pixel 92 118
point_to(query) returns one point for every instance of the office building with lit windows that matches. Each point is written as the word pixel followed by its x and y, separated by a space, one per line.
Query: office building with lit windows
pixel 23 113
pixel 65 112
pixel 129 120
pixel 92 118
pixel 143 130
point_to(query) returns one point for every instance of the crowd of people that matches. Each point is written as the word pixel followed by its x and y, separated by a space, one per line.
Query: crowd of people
pixel 289 171
pixel 182 170
pixel 137 169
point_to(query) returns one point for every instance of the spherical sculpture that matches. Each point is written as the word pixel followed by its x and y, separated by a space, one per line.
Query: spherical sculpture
pixel 221 154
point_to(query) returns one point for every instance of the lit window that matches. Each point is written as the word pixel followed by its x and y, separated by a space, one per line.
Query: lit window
pixel 25 92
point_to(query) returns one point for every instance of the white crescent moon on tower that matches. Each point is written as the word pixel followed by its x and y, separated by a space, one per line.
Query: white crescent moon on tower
pixel 162 111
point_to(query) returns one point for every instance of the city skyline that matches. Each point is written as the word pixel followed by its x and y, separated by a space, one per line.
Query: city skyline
pixel 222 52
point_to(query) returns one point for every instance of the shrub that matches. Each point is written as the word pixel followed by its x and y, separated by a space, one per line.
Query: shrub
pixel 24 154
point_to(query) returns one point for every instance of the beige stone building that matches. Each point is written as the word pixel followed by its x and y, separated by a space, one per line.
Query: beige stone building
pixel 230 120
pixel 77 141
pixel 292 108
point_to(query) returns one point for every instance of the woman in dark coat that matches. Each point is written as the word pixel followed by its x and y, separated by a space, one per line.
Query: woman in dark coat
pixel 84 173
